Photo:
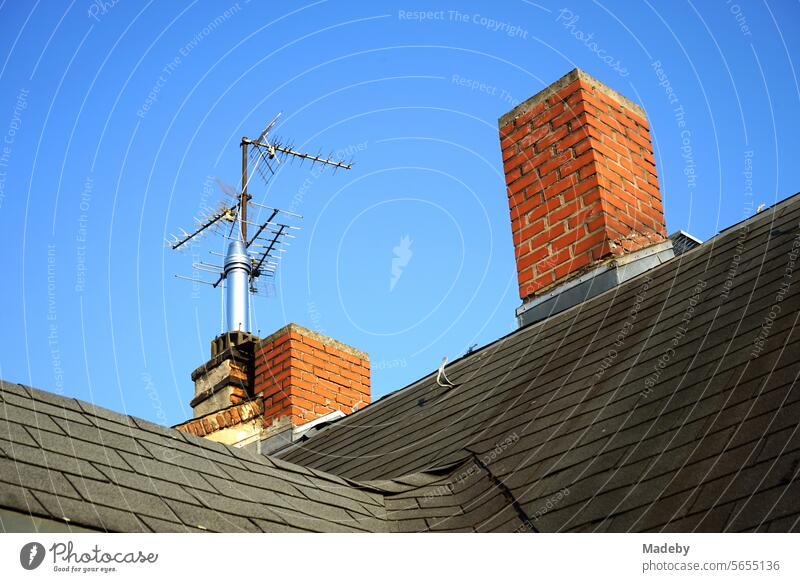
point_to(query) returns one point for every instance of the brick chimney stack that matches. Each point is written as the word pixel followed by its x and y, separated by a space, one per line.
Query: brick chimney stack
pixel 302 376
pixel 581 178
pixel 269 392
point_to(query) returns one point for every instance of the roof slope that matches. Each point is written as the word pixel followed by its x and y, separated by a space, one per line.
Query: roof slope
pixel 66 460
pixel 667 403
pixel 63 460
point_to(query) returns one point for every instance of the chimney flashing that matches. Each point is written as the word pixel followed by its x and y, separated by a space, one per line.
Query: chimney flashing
pixel 593 283
pixel 278 437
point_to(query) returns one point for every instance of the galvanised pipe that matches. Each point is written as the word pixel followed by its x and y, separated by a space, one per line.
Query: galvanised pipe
pixel 237 275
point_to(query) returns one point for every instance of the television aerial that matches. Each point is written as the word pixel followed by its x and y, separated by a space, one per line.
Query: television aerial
pixel 251 256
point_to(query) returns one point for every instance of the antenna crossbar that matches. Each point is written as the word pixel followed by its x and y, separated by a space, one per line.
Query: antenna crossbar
pixel 270 246
pixel 273 149
pixel 228 212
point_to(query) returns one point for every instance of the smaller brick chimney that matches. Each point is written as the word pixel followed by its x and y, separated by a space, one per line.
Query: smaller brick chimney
pixel 268 392
pixel 582 190
pixel 302 376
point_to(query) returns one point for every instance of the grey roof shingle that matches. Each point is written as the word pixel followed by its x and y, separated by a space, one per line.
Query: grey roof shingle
pixel 92 468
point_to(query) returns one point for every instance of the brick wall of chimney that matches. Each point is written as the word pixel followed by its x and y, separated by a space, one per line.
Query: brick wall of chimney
pixel 302 375
pixel 581 178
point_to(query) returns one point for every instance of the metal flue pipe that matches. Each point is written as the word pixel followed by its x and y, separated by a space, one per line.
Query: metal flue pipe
pixel 237 279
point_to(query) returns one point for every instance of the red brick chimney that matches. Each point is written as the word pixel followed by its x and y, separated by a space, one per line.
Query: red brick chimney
pixel 581 177
pixel 302 375
pixel 256 390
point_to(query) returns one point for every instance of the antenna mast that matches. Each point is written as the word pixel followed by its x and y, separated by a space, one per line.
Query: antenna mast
pixel 247 260
pixel 244 199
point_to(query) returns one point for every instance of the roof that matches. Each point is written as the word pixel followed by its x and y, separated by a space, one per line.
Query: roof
pixel 67 461
pixel 70 461
pixel 666 403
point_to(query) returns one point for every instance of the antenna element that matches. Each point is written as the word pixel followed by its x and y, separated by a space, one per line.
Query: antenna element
pixel 248 259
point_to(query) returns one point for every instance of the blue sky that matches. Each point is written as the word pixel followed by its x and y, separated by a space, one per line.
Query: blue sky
pixel 116 117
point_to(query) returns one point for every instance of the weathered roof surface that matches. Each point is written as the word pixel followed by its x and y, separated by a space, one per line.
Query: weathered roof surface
pixel 462 498
pixel 66 460
pixel 667 403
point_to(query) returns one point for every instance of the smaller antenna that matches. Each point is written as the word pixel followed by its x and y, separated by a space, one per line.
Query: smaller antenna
pixel 269 151
pixel 226 213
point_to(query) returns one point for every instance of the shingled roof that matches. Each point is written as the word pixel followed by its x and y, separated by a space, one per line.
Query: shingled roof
pixel 66 461
pixel 667 403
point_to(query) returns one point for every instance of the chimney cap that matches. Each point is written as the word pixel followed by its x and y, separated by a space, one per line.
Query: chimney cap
pixel 323 339
pixel 570 77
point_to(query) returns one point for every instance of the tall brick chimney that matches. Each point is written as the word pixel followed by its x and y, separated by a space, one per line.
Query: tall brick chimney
pixel 582 185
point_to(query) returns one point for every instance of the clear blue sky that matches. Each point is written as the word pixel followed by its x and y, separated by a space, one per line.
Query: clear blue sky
pixel 94 172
